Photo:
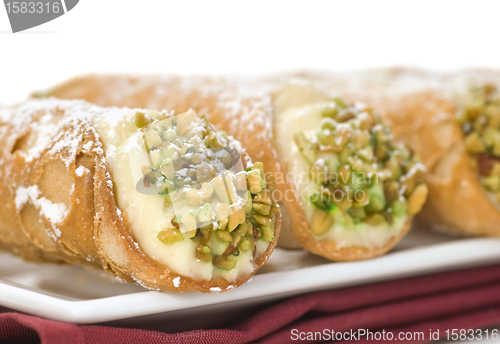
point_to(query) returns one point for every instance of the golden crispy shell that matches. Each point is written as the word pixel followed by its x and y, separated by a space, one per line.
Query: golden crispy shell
pixel 52 211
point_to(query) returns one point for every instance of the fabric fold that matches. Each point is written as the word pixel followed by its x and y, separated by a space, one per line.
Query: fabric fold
pixel 465 299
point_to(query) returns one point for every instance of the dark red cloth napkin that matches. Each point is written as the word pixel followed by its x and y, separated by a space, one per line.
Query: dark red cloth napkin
pixel 467 299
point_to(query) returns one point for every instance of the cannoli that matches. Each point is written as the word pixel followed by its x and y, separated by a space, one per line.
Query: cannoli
pixel 158 198
pixel 347 191
pixel 452 122
pixel 458 138
pixel 359 189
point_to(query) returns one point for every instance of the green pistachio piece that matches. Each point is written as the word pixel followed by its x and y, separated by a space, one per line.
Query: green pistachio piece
pixel 391 190
pixel 375 219
pixel 225 262
pixel 212 140
pixel 345 115
pixel 366 153
pixel 169 135
pixel 267 233
pixel 203 253
pixel 362 139
pixel 185 121
pixel 220 189
pixel 237 235
pixel 473 110
pixel 239 181
pixel 342 218
pixel 169 152
pixel 236 217
pixel 305 147
pixel 381 151
pixel 170 236
pixel 377 198
pixel 262 220
pixel 473 143
pixel 221 215
pixel 259 166
pixel 196 197
pixel 347 200
pixel 360 199
pixel 205 232
pixel 411 179
pixel 496 149
pixel 248 203
pixel 358 212
pixel 245 244
pixel 255 180
pixel 356 164
pixel 167 168
pixel 142 120
pixel 493 113
pixel 344 174
pixel 204 172
pixel 320 201
pixel 339 103
pixel 328 123
pixel 319 172
pixel 490 136
pixel 245 227
pixel 330 111
pixel 394 167
pixel 180 181
pixel 326 137
pixel 261 209
pixel 274 209
pixel 417 199
pixel 225 157
pixel 399 207
pixel 224 236
pixel 321 222
pixel 204 213
pixel 156 158
pixel 263 197
pixel 152 138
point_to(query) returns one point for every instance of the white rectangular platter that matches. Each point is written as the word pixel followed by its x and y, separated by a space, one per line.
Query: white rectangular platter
pixel 77 295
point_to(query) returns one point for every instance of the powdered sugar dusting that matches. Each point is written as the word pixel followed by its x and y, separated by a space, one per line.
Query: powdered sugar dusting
pixel 53 127
pixel 81 170
pixel 177 282
pixel 45 121
pixel 54 212
pixel 24 194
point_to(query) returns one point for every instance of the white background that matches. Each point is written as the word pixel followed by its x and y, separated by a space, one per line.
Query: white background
pixel 147 36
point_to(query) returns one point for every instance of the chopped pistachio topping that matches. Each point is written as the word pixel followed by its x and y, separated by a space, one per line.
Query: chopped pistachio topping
pixel 224 209
pixel 479 117
pixel 361 173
